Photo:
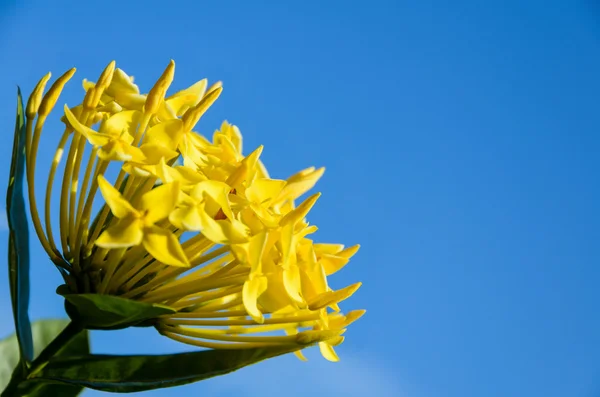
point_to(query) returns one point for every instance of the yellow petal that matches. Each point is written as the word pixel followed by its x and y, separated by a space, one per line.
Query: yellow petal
pixel 314 282
pixel 117 203
pixel 268 218
pixel 247 169
pixel 215 189
pixel 123 121
pixel 300 212
pixel 321 248
pixel 167 133
pixel 234 134
pixel 130 101
pixel 252 290
pixel 300 183
pixel 332 263
pixel 197 89
pixel 264 190
pixel 275 299
pixel 328 352
pixel 188 97
pixel 350 251
pixel 332 297
pixel 121 82
pixel 291 281
pixel 222 231
pixel 153 153
pixel 187 218
pixel 117 150
pixel 87 84
pixel 256 247
pixel 337 320
pixel 300 355
pixel 159 202
pixel 126 232
pixel 92 136
pixel 164 246
pixel 288 246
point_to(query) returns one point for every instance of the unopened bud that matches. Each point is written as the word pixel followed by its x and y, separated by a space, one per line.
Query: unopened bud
pixel 53 93
pixel 36 96
pixel 191 117
pixel 157 93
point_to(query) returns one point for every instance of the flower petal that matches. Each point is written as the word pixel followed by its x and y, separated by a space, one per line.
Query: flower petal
pixel 264 190
pixel 125 233
pixel 253 288
pixel 300 183
pixel 300 212
pixel 291 282
pixel 222 231
pixel 92 136
pixel 160 201
pixel 167 133
pixel 187 218
pixel 332 263
pixel 328 352
pixel 164 246
pixel 153 153
pixel 122 121
pixel 115 200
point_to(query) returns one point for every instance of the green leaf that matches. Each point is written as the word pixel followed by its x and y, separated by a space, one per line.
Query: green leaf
pixel 125 374
pixel 18 241
pixel 95 311
pixel 43 332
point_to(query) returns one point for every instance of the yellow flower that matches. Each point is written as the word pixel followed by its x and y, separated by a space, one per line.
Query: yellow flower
pixel 186 222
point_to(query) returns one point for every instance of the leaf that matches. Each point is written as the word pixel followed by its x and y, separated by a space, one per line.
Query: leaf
pixel 43 332
pixel 125 374
pixel 95 311
pixel 18 241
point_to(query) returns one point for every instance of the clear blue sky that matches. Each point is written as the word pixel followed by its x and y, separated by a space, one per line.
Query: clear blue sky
pixel 462 147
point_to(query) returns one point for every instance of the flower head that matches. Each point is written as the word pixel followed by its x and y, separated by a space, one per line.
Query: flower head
pixel 187 222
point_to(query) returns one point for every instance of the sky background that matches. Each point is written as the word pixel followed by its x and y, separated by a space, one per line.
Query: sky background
pixel 462 147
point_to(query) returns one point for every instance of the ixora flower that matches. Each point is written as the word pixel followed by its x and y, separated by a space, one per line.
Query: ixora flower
pixel 185 223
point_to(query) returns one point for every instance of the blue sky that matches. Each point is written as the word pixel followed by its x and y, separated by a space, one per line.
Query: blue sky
pixel 461 141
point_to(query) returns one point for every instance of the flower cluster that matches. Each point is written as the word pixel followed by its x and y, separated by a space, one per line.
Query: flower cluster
pixel 188 222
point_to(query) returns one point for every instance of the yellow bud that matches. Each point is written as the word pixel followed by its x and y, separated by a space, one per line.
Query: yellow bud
pixel 157 93
pixel 94 94
pixel 191 117
pixel 107 75
pixel 53 93
pixel 36 96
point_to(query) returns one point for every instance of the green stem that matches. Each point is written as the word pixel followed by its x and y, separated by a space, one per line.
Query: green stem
pixel 20 374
